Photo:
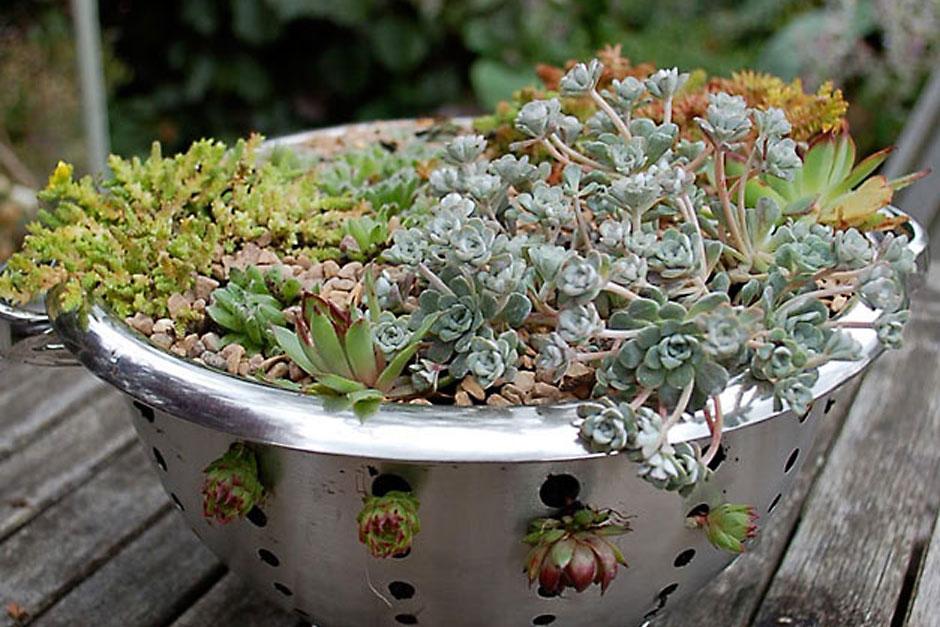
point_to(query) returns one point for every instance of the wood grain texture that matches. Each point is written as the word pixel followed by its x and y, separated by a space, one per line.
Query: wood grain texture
pixel 148 583
pixel 67 543
pixel 32 400
pixel 62 457
pixel 233 601
pixel 734 596
pixel 925 609
pixel 875 500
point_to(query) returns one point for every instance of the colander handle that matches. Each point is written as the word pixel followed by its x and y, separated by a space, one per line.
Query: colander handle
pixel 27 336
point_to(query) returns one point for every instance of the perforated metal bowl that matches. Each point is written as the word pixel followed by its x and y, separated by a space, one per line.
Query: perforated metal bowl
pixel 481 475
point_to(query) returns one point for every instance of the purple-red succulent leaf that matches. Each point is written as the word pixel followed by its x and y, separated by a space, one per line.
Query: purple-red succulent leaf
pixel 550 577
pixel 583 566
pixel 534 561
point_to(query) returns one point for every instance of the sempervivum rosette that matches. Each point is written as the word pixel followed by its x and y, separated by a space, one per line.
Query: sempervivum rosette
pixel 388 523
pixel 231 486
pixel 573 551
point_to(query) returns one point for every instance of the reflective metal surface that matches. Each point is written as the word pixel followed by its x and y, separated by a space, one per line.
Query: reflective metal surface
pixel 477 472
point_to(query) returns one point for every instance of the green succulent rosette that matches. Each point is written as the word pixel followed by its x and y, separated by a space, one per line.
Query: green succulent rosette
pixel 231 486
pixel 389 523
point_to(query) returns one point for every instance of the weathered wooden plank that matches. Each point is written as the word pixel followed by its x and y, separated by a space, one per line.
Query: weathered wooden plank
pixel 67 543
pixel 734 596
pixel 62 458
pixel 233 601
pixel 33 399
pixel 925 609
pixel 150 582
pixel 874 501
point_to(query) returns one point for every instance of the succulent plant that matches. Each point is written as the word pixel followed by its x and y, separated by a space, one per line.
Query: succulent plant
pixel 339 350
pixel 727 526
pixel 832 187
pixel 389 523
pixel 231 487
pixel 573 550
pixel 251 304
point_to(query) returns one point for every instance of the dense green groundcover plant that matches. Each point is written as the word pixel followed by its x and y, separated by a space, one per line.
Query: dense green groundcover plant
pixel 664 254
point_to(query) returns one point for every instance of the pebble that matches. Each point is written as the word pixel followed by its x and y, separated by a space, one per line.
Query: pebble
pixel 212 342
pixel 268 258
pixel 496 400
pixel 351 270
pixel 330 268
pixel 233 354
pixel 162 340
pixel 178 349
pixel 164 326
pixel 462 399
pixel 524 381
pixel 214 360
pixel 513 394
pixel 420 401
pixel 294 372
pixel 304 262
pixel 342 285
pixel 473 388
pixel 204 287
pixel 141 323
pixel 242 369
pixel 189 343
pixel 545 390
pixel 199 305
pixel 255 361
pixel 279 370
pixel 176 304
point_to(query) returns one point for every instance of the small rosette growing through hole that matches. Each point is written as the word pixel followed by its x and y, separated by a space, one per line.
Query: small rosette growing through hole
pixel 727 526
pixel 573 550
pixel 231 486
pixel 389 523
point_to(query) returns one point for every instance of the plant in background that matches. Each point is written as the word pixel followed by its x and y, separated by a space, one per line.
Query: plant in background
pixel 389 523
pixel 573 550
pixel 231 486
pixel 251 304
pixel 727 526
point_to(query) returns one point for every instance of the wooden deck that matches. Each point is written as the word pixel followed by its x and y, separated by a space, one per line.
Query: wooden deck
pixel 87 536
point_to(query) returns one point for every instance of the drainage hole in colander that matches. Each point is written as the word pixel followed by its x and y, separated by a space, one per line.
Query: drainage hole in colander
pixel 773 503
pixel 145 412
pixel 719 457
pixel 158 457
pixel 544 619
pixel 684 558
pixel 176 502
pixel 406 619
pixel 268 557
pixel 829 403
pixel 386 482
pixel 559 490
pixel 791 460
pixel 401 590
pixel 701 509
pixel 283 589
pixel 257 517
pixel 546 593
pixel 802 417
pixel 299 612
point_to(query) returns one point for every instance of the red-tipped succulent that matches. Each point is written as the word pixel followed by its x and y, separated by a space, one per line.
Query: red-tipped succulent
pixel 389 523
pixel 231 486
pixel 573 551
pixel 727 526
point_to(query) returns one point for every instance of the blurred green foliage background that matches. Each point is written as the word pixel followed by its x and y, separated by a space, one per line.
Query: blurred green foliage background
pixel 178 70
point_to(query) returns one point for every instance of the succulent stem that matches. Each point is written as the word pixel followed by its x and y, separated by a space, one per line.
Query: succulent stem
pixel 609 111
